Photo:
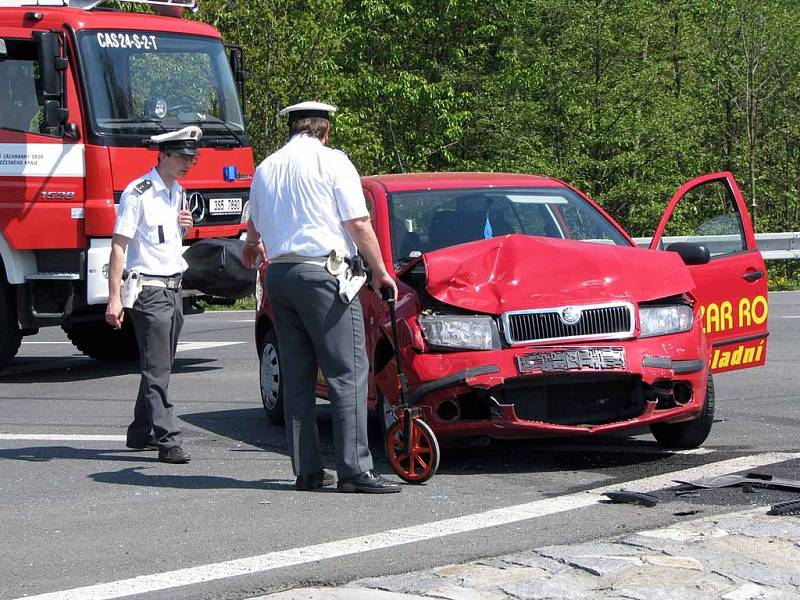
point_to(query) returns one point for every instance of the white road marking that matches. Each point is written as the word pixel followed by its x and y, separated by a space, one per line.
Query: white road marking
pixel 69 343
pixel 62 437
pixel 622 449
pixel 244 321
pixel 184 346
pixel 399 537
pixel 789 317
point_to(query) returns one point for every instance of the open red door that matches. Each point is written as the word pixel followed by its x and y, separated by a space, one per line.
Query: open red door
pixel 732 287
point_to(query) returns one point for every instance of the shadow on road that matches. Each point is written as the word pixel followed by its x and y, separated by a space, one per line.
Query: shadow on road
pixel 48 370
pixel 48 453
pixel 251 427
pixel 136 476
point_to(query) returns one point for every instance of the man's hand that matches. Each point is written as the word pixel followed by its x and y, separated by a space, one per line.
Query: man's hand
pixel 382 280
pixel 114 312
pixel 253 254
pixel 185 219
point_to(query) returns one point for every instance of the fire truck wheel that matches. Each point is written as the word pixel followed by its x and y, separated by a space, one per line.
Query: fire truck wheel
pixel 689 434
pixel 270 376
pixel 102 342
pixel 10 336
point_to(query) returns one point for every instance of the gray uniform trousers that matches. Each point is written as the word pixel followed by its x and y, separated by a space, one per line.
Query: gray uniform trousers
pixel 157 317
pixel 316 329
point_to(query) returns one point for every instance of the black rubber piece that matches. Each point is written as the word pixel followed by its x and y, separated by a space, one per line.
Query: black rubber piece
pixel 790 507
pixel 632 498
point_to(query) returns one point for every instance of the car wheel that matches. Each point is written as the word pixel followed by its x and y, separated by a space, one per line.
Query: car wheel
pixel 689 434
pixel 271 382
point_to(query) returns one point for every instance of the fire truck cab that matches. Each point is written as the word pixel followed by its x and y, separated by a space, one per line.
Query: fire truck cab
pixel 82 90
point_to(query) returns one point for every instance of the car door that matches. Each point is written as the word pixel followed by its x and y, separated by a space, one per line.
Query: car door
pixel 732 286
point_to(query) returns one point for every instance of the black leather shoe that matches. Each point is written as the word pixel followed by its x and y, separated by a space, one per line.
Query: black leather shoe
pixel 369 482
pixel 306 483
pixel 146 445
pixel 175 455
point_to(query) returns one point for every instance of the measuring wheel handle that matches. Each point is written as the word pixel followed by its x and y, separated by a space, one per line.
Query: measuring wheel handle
pixel 421 461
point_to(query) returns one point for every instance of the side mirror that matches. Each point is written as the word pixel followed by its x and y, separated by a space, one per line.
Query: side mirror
pixel 52 66
pixel 691 253
pixel 3 49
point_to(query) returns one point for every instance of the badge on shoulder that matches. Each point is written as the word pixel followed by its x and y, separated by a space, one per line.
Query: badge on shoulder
pixel 143 186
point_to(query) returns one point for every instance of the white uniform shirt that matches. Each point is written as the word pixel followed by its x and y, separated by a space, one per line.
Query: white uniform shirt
pixel 300 196
pixel 149 219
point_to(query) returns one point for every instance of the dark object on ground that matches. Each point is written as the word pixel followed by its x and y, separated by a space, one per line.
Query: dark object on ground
pixel 790 507
pixel 216 269
pixel 754 480
pixel 632 498
pixel 687 513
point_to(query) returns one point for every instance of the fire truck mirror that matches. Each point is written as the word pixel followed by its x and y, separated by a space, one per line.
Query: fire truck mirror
pixel 54 114
pixel 3 50
pixel 50 64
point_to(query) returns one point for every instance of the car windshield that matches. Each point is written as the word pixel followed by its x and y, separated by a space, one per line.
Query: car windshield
pixel 147 83
pixel 422 221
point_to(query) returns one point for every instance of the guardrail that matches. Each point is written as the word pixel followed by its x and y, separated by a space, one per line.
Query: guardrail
pixel 773 246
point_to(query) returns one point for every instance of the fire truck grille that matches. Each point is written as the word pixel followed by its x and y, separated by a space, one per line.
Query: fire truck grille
pixel 611 321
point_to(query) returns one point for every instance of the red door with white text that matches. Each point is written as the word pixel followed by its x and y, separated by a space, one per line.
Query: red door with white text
pixel 732 287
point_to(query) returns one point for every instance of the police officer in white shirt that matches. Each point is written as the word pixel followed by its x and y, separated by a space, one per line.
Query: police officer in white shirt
pixel 152 219
pixel 306 202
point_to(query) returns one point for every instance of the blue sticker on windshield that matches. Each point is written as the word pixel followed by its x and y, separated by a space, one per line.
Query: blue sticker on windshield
pixel 488 232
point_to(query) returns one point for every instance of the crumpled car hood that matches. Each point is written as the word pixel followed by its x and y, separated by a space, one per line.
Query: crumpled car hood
pixel 518 272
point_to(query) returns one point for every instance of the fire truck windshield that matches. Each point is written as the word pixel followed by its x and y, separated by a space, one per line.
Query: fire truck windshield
pixel 142 83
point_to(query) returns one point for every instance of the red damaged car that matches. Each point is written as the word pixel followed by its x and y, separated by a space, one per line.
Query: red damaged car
pixel 525 311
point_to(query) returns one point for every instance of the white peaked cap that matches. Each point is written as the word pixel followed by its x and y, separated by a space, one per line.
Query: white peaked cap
pixel 183 140
pixel 309 108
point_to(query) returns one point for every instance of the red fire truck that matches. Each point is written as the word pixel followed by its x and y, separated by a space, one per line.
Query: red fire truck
pixel 82 89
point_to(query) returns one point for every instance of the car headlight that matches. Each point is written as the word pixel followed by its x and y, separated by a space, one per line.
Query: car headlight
pixel 460 331
pixel 662 320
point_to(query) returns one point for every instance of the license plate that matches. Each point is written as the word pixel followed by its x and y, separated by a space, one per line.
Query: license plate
pixel 225 206
pixel 572 359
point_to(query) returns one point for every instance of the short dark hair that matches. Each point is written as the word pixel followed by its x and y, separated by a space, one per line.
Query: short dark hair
pixel 317 127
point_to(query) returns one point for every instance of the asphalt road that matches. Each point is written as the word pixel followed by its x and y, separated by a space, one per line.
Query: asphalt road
pixel 78 511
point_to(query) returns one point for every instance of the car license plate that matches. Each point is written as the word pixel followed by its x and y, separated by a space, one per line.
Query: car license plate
pixel 225 206
pixel 572 359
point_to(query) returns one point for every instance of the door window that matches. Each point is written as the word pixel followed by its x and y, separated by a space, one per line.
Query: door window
pixel 21 98
pixel 708 214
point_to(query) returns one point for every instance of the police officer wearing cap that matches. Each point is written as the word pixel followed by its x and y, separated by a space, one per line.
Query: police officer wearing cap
pixel 151 221
pixel 307 206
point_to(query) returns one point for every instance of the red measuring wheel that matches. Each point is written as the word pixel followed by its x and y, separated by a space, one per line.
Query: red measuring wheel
pixel 422 460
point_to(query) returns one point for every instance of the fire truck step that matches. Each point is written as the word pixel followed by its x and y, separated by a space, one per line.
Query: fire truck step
pixel 53 276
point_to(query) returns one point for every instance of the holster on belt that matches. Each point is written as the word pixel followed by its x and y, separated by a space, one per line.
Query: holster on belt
pixel 350 274
pixel 131 286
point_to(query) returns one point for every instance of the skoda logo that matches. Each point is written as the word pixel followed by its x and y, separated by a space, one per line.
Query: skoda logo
pixel 198 207
pixel 570 315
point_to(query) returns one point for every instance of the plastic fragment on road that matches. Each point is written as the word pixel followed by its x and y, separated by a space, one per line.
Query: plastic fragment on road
pixel 632 498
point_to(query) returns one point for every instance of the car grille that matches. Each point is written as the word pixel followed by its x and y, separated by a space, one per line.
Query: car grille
pixel 576 400
pixel 596 322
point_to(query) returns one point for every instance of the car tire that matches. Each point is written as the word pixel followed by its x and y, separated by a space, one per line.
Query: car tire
pixel 100 341
pixel 10 335
pixel 689 434
pixel 270 378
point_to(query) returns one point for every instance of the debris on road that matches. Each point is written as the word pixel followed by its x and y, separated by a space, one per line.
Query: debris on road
pixel 632 498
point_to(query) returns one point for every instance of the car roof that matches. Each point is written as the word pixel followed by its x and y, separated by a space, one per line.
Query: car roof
pixel 406 182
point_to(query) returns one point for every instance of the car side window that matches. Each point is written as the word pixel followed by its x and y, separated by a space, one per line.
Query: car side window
pixel 21 99
pixel 708 214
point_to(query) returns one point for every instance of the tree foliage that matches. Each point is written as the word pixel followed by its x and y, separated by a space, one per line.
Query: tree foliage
pixel 625 99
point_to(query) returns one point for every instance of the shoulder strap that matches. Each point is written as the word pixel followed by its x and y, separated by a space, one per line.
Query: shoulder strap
pixel 143 186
